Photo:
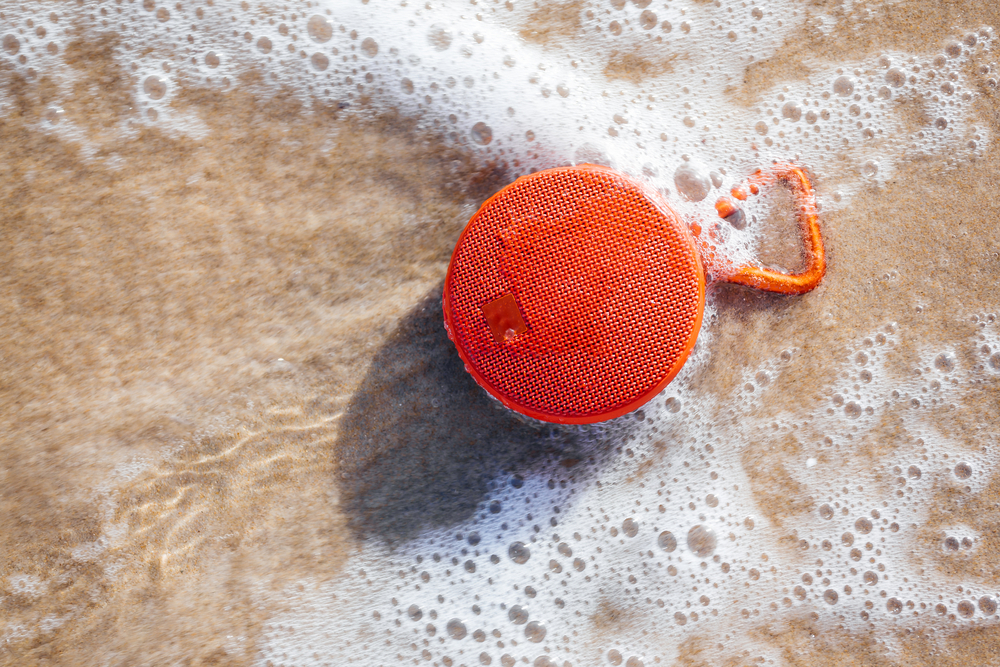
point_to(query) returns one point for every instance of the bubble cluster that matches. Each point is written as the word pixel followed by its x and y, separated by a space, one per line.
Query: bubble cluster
pixel 630 86
pixel 603 535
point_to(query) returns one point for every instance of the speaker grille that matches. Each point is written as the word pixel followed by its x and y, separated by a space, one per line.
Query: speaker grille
pixel 605 278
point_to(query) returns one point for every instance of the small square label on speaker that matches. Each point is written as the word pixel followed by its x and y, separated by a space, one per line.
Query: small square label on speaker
pixel 504 318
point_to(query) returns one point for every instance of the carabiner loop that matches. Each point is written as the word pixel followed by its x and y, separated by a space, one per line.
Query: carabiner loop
pixel 808 219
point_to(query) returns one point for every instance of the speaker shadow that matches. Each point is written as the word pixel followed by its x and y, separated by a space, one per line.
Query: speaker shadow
pixel 421 441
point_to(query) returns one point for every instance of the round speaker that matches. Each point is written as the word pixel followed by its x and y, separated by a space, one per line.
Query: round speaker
pixel 575 294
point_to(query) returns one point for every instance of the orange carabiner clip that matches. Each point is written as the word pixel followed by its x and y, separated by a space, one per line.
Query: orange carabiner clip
pixel 808 219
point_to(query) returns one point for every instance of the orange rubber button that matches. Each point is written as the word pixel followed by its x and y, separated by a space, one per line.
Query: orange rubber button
pixel 504 318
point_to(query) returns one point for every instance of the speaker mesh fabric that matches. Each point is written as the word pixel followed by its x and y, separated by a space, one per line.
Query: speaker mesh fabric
pixel 606 278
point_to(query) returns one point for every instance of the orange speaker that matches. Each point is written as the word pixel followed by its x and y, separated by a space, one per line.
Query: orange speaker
pixel 575 295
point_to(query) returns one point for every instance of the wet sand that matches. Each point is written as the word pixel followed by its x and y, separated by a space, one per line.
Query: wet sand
pixel 245 320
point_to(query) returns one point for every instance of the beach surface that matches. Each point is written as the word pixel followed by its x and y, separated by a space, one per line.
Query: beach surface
pixel 235 432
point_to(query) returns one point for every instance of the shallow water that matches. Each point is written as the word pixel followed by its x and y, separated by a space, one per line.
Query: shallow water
pixel 236 433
